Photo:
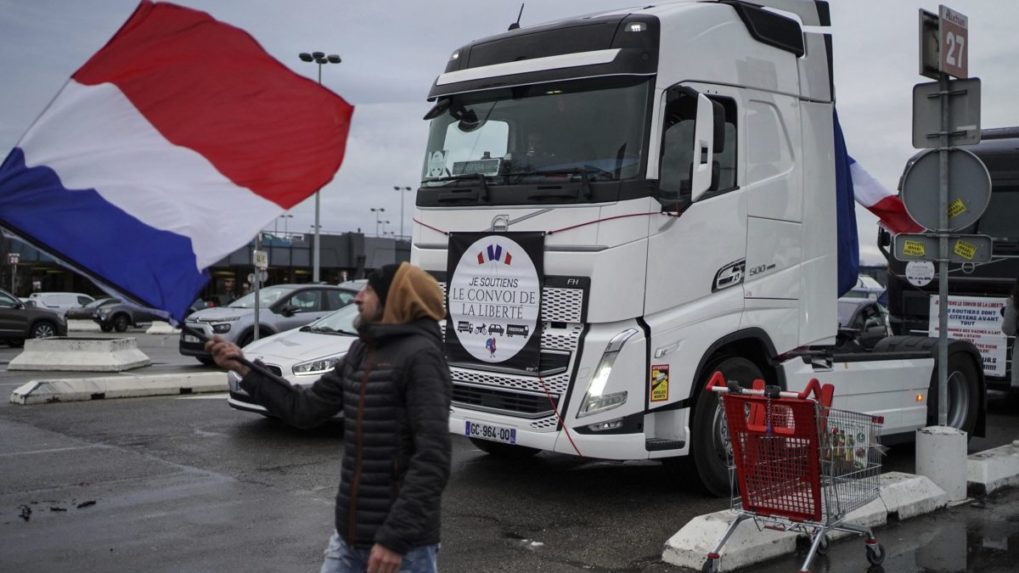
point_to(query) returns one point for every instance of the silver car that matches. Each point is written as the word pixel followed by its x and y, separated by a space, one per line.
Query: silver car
pixel 282 307
pixel 59 302
pixel 300 356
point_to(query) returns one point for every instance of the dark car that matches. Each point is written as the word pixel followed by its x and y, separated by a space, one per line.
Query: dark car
pixel 19 321
pixel 121 314
pixel 88 311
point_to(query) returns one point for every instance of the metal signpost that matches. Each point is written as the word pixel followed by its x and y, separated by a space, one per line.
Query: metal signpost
pixel 260 259
pixel 13 259
pixel 962 181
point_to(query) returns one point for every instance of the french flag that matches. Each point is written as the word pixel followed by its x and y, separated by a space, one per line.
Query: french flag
pixel 854 184
pixel 888 208
pixel 167 151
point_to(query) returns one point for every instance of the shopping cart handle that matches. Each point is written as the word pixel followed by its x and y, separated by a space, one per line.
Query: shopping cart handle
pixel 717 381
pixel 823 393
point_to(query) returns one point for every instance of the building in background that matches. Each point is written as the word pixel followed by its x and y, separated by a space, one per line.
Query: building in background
pixel 345 256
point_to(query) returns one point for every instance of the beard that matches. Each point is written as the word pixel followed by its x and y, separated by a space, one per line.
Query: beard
pixel 363 319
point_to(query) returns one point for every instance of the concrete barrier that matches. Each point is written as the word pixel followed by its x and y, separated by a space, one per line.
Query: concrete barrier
pixel 82 326
pixel 122 386
pixel 908 495
pixel 993 469
pixel 161 327
pixel 904 495
pixel 80 354
pixel 748 545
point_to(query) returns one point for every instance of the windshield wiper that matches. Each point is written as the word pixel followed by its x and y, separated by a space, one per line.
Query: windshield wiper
pixel 454 196
pixel 585 173
pixel 324 329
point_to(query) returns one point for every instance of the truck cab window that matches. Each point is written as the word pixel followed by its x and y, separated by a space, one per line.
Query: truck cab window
pixel 677 159
pixel 585 131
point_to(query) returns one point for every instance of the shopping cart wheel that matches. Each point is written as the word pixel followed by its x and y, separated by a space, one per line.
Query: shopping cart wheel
pixel 875 553
pixel 822 548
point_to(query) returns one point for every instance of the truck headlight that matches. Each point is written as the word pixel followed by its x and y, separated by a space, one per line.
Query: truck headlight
pixel 595 400
pixel 317 366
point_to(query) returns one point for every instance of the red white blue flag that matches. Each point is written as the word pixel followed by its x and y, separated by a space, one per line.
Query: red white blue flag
pixel 167 151
pixel 887 206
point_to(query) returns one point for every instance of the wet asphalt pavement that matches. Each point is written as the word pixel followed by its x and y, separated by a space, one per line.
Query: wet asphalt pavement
pixel 186 484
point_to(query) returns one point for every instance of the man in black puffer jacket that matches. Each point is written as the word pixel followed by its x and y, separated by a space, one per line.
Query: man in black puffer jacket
pixel 393 387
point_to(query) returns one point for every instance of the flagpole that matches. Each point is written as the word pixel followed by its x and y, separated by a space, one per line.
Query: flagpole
pixel 256 366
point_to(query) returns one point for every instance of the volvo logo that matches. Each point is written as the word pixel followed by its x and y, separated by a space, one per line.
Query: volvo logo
pixel 500 223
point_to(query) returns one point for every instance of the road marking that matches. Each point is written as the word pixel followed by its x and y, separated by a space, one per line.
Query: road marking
pixel 53 450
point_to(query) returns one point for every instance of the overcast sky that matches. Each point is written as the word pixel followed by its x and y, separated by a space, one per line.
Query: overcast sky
pixel 392 50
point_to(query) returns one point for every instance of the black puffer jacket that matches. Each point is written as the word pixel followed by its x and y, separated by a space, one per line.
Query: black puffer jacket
pixel 394 390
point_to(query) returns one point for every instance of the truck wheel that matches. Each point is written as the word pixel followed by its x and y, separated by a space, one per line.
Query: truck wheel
pixel 504 451
pixel 710 438
pixel 120 322
pixel 963 398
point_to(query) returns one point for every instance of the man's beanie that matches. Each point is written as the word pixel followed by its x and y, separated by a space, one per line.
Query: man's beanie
pixel 380 279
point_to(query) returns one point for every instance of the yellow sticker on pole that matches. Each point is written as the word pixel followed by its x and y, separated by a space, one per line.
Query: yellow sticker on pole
pixel 913 249
pixel 956 208
pixel 965 250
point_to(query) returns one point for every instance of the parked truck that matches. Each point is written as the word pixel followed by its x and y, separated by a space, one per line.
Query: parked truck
pixel 651 194
pixel 987 284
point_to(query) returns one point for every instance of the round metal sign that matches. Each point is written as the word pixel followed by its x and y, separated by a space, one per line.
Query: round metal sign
pixel 919 273
pixel 969 189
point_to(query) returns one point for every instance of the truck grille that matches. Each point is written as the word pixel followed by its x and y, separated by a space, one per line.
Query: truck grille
pixel 524 395
pixel 528 405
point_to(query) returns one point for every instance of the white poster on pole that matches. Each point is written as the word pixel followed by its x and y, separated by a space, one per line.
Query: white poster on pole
pixel 978 320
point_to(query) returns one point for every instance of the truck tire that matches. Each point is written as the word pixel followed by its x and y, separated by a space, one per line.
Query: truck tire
pixel 963 394
pixel 503 451
pixel 709 437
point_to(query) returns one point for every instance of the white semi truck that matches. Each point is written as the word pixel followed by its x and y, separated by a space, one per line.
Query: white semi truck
pixel 621 204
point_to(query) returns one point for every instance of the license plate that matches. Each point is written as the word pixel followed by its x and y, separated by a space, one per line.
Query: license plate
pixel 490 432
pixel 191 339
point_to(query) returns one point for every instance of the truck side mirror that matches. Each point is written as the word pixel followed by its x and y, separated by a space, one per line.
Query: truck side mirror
pixel 884 238
pixel 703 147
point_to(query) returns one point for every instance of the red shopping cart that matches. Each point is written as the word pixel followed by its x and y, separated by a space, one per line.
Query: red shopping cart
pixel 797 464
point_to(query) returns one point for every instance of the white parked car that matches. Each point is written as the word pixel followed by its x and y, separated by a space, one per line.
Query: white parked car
pixel 59 302
pixel 300 356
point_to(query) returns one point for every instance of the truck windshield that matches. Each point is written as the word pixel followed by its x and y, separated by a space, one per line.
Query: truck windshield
pixel 592 129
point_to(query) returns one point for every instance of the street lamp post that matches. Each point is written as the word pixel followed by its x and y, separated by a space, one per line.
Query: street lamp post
pixel 378 216
pixel 319 58
pixel 401 190
pixel 275 224
pixel 286 220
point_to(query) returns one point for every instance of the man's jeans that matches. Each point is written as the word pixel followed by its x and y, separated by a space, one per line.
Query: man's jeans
pixel 341 558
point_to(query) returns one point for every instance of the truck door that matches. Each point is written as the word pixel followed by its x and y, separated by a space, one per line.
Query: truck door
pixel 701 251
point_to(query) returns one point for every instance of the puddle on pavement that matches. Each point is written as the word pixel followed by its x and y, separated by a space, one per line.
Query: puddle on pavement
pixel 982 536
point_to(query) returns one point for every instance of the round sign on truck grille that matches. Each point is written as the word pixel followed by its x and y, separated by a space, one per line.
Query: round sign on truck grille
pixel 494 299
